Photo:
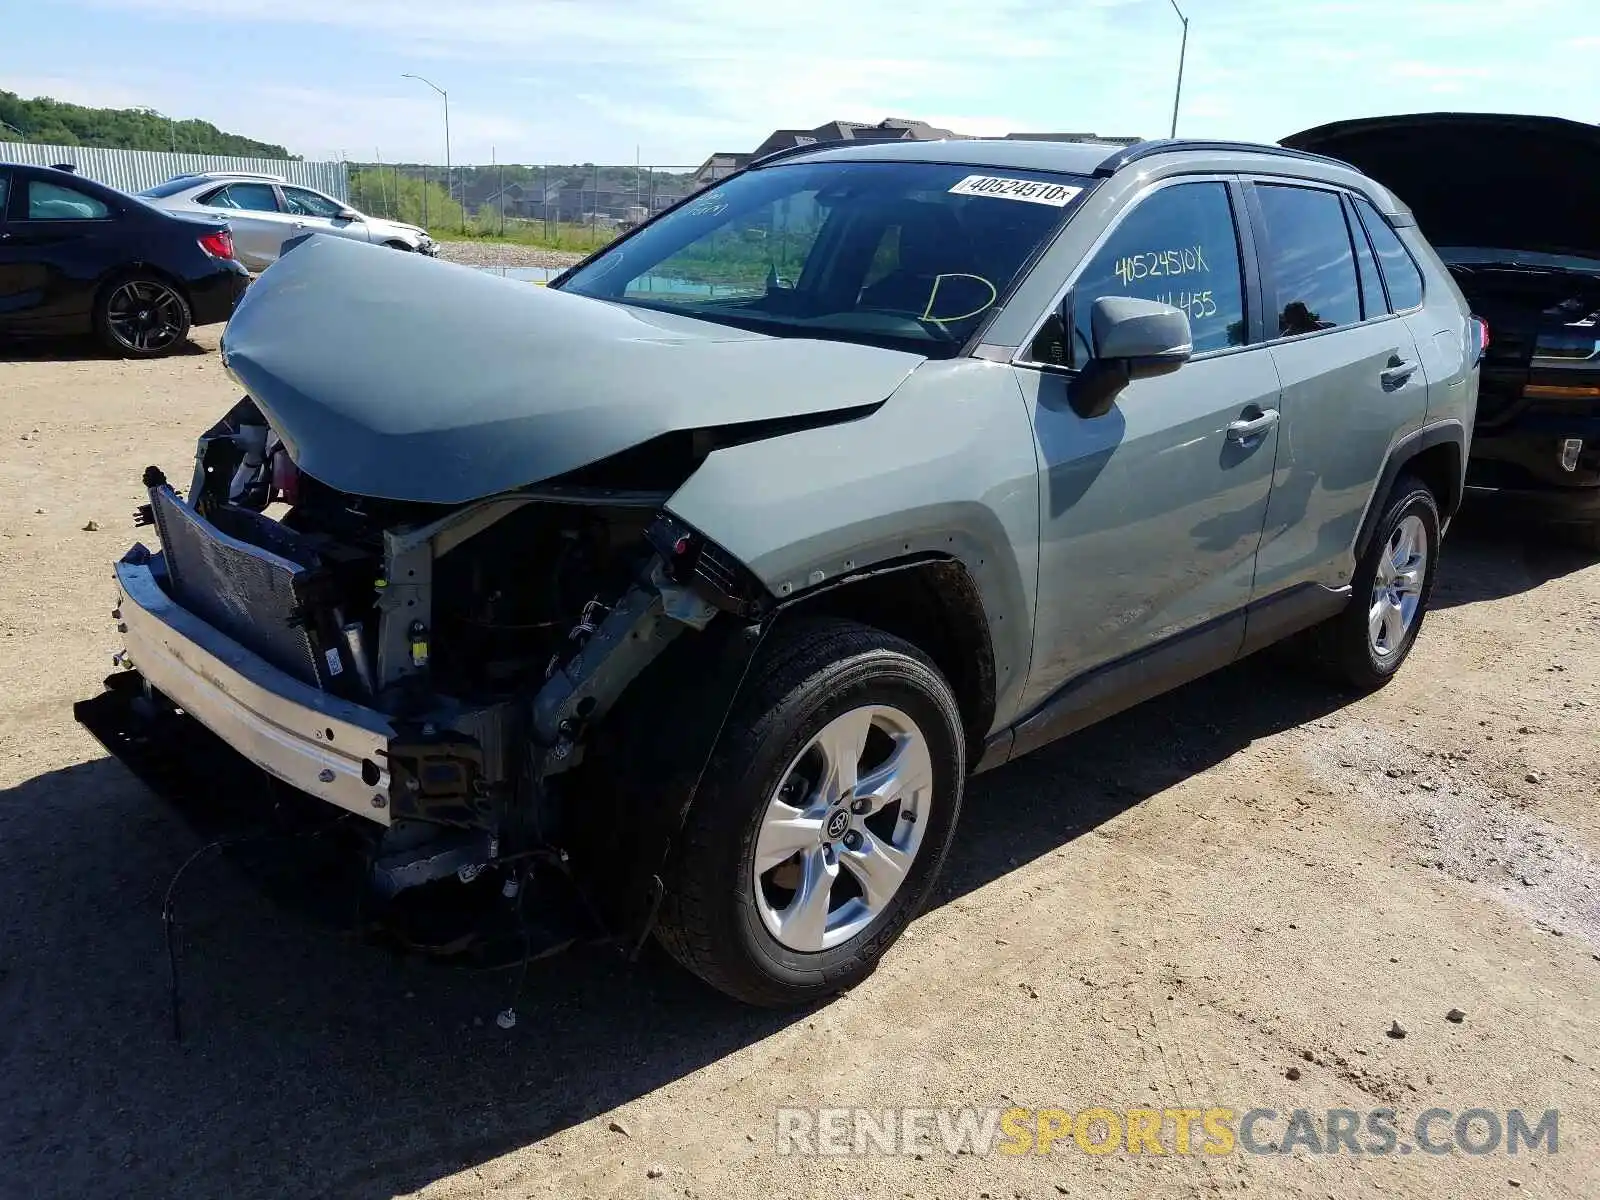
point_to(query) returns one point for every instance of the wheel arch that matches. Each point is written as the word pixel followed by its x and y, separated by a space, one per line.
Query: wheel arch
pixel 132 270
pixel 935 604
pixel 1435 454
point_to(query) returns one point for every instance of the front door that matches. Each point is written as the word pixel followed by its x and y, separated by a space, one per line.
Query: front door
pixel 1151 515
pixel 57 242
pixel 316 213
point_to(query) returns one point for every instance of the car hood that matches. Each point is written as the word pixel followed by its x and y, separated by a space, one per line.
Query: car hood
pixel 397 376
pixel 1480 179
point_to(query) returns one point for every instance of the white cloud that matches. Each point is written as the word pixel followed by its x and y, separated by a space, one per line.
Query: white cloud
pixel 574 80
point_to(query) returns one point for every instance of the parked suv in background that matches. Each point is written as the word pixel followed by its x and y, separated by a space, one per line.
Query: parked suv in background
pixel 264 212
pixel 78 257
pixel 711 572
pixel 1512 203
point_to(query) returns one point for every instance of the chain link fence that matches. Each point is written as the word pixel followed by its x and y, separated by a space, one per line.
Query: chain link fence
pixel 572 208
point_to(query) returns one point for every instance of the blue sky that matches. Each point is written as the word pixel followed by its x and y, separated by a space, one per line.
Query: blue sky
pixel 589 80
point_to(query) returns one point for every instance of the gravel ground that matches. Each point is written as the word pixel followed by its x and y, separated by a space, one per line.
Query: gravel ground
pixel 504 254
pixel 1227 896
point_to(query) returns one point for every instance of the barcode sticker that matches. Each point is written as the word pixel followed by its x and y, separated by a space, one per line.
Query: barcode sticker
pixel 1058 195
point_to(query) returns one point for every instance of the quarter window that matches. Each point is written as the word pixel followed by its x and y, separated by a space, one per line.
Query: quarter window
pixel 1400 271
pixel 52 202
pixel 1179 246
pixel 1309 261
pixel 251 197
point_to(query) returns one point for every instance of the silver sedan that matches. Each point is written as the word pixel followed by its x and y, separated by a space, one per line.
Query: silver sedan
pixel 264 212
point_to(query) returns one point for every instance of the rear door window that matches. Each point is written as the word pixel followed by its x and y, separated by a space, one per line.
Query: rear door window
pixel 1308 262
pixel 52 202
pixel 252 197
pixel 1400 270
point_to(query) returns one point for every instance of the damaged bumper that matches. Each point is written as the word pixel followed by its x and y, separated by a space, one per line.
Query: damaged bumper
pixel 322 745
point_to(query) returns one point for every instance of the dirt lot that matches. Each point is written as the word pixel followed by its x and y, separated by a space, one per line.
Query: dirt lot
pixel 1173 909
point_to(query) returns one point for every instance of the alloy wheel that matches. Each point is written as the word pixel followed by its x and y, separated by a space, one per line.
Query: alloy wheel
pixel 145 316
pixel 1397 587
pixel 840 833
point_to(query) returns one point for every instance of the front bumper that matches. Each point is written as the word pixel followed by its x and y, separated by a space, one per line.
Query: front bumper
pixel 329 748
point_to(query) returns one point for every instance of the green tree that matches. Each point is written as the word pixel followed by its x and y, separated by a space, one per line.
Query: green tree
pixel 57 123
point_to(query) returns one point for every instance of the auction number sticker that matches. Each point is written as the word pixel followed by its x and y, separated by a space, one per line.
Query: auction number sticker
pixel 1058 195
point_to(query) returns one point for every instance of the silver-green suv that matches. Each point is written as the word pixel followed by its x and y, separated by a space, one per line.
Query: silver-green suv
pixel 708 574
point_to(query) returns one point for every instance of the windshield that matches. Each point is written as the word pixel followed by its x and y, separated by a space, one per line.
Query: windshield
pixel 910 255
pixel 1485 256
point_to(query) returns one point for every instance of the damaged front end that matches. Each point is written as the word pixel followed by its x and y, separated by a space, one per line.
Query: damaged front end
pixel 447 673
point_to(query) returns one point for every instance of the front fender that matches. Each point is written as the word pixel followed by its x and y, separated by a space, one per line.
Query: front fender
pixel 946 467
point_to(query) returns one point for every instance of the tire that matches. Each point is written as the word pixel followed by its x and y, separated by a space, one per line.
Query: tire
pixel 717 915
pixel 121 321
pixel 1345 647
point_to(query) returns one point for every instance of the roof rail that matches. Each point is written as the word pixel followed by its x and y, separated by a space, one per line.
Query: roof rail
pixel 791 151
pixel 1139 150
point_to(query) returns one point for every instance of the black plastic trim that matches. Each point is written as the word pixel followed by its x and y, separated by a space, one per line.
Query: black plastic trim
pixel 1438 434
pixel 1107 690
pixel 1277 617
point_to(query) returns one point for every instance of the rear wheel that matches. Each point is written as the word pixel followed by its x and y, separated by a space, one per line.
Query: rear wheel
pixel 823 820
pixel 1366 643
pixel 141 316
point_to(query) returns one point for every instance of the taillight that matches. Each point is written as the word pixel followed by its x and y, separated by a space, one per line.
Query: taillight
pixel 218 244
pixel 1482 328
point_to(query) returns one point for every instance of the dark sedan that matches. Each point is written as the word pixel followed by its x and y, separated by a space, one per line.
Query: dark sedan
pixel 79 257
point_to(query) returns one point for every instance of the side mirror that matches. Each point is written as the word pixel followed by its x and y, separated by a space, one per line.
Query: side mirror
pixel 348 214
pixel 1133 339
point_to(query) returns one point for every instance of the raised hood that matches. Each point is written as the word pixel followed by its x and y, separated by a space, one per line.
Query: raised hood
pixel 396 376
pixel 1480 179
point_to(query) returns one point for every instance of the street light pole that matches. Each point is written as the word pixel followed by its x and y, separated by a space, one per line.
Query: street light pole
pixel 1183 51
pixel 446 96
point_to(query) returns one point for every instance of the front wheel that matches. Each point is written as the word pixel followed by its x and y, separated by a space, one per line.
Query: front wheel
pixel 823 820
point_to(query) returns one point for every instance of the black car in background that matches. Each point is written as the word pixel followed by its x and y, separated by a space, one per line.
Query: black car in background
pixel 1512 204
pixel 79 257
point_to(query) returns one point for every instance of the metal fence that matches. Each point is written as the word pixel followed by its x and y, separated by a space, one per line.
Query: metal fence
pixel 134 170
pixel 573 207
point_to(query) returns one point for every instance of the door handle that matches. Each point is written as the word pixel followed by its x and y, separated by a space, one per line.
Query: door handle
pixel 1397 372
pixel 1249 427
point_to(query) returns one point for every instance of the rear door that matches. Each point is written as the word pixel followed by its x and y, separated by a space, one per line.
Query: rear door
pixel 256 219
pixel 1353 382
